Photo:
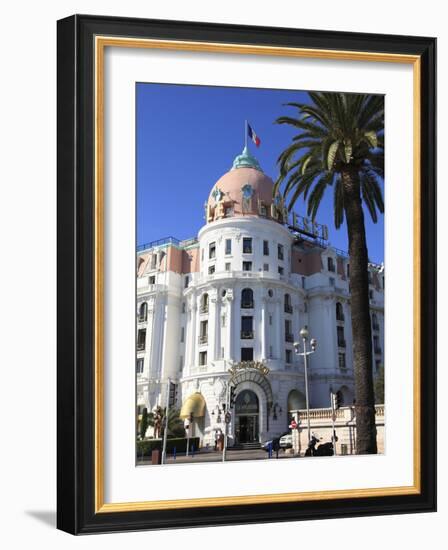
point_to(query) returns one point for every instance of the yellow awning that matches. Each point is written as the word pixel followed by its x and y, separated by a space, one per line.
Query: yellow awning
pixel 194 404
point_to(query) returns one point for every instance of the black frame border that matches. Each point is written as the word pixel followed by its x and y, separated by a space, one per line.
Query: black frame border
pixel 76 262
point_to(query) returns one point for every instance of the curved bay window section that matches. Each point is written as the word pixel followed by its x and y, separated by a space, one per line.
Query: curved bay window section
pixel 247 298
pixel 204 304
pixel 287 304
pixel 247 328
pixel 339 312
pixel 143 312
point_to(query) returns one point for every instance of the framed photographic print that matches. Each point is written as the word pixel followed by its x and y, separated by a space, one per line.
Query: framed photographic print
pixel 246 265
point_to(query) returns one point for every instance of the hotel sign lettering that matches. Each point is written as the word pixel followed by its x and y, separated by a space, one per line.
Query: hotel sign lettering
pixel 246 365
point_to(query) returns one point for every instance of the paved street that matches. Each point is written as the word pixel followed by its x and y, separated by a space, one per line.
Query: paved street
pixel 212 456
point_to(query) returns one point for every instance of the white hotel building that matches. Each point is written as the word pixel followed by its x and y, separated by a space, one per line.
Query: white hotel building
pixel 239 293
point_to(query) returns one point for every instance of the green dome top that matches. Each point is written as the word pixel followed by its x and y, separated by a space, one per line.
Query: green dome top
pixel 246 160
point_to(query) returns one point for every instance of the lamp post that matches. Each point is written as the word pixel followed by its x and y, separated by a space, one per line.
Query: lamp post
pixel 304 334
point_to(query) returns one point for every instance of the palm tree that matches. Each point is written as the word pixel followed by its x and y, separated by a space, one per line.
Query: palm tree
pixel 340 144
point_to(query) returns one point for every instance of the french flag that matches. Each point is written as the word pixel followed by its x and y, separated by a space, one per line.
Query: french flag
pixel 253 136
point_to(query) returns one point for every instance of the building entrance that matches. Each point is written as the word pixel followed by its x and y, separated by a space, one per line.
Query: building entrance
pixel 246 417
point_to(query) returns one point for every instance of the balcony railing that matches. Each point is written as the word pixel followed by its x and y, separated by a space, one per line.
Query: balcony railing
pixel 247 305
pixel 203 338
pixel 289 337
pixel 203 309
pixel 247 334
pixel 288 308
pixel 341 343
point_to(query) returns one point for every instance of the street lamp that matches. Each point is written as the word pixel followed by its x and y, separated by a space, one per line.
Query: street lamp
pixel 304 334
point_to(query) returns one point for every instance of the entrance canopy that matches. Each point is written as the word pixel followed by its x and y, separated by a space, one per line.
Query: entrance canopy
pixel 193 405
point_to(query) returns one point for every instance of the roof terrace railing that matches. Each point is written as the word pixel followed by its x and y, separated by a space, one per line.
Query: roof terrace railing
pixel 166 241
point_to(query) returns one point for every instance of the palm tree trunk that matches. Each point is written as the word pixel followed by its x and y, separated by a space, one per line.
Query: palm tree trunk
pixel 360 314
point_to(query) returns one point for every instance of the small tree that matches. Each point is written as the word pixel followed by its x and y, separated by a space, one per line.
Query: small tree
pixel 156 419
pixel 144 423
pixel 379 386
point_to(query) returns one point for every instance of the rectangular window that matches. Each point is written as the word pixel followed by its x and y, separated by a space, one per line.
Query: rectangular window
pixel 203 332
pixel 330 264
pixel 371 294
pixel 331 281
pixel 152 280
pixel 377 365
pixel 247 266
pixel 183 307
pixel 223 320
pixel 211 269
pixel 280 252
pixel 341 359
pixel 247 328
pixel 288 356
pixel 305 307
pixel 370 277
pixel 227 266
pixel 247 245
pixel 341 339
pixel 202 358
pixel 186 281
pixel 270 352
pixel 348 270
pixel 153 261
pixel 270 319
pixel 247 354
pixel 141 339
pixel 263 211
pixel 265 267
pixel 182 334
pixel 202 254
pixel 140 365
pixel 303 282
pixel 228 246
pixel 266 248
pixel 280 270
pixel 212 251
pixel 376 344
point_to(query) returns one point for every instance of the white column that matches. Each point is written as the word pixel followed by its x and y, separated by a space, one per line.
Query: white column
pixel 192 334
pixel 229 326
pixel 278 329
pixel 212 322
pixel 217 333
pixel 263 329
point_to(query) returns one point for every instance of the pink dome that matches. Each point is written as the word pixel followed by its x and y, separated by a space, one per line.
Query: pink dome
pixel 243 191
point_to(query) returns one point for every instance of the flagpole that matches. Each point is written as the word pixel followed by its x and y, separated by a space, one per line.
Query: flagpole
pixel 245 134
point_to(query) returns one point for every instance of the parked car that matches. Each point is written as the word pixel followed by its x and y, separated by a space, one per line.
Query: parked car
pixel 286 441
pixel 272 443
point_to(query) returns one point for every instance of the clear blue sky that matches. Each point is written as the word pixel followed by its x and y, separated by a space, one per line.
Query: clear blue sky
pixel 187 138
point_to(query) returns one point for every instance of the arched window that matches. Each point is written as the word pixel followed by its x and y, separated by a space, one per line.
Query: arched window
pixel 143 312
pixel 204 303
pixel 288 306
pixel 247 298
pixel 339 312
